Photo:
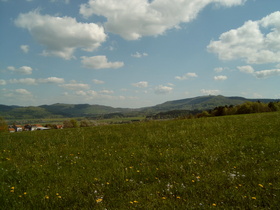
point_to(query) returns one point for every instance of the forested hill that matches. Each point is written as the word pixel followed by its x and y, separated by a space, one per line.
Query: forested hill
pixel 60 110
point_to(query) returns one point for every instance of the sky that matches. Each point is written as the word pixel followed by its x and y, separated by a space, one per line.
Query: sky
pixel 137 53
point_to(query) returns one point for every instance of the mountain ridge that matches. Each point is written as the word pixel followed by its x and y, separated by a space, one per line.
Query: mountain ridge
pixel 62 110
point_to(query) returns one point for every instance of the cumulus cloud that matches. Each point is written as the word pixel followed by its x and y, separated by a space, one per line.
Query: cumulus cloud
pixel 24 81
pixel 61 35
pixel 32 81
pixel 246 69
pixel 24 48
pixel 23 91
pixel 259 74
pixel 73 85
pixel 98 82
pixel 220 77
pixel 21 70
pixel 267 73
pixel 99 62
pixel 139 55
pixel 186 76
pixel 209 92
pixel 53 80
pixel 137 18
pixel 2 82
pixel 106 91
pixel 142 84
pixel 163 89
pixel 256 42
pixel 219 69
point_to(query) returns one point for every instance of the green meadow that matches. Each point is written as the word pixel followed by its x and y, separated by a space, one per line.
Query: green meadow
pixel 230 162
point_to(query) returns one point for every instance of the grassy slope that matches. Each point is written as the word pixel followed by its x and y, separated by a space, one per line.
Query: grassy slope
pixel 226 162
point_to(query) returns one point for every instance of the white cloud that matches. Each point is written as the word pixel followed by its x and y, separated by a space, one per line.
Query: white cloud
pixel 23 91
pixel 139 55
pixel 24 48
pixel 106 92
pixel 73 85
pixel 209 92
pixel 249 43
pixel 163 89
pixel 32 81
pixel 186 76
pixel 61 35
pixel 98 82
pixel 99 62
pixel 2 82
pixel 21 70
pixel 142 84
pixel 267 73
pixel 137 18
pixel 220 77
pixel 219 69
pixel 259 74
pixel 24 81
pixel 54 80
pixel 246 69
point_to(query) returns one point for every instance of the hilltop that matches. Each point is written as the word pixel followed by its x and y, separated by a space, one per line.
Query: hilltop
pixel 60 110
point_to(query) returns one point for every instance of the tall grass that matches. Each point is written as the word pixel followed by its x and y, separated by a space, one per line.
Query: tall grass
pixel 225 162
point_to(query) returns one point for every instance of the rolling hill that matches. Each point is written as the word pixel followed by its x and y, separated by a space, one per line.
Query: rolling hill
pixel 60 110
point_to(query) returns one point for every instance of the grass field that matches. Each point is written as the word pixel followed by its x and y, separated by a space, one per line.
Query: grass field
pixel 221 162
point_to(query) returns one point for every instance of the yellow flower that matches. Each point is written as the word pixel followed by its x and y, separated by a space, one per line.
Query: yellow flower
pixel 47 197
pixel 178 197
pixel 254 198
pixel 59 196
pixel 99 200
pixel 163 198
pixel 24 193
pixel 135 202
pixel 12 191
pixel 193 181
pixel 260 185
pixel 214 204
pixel 12 188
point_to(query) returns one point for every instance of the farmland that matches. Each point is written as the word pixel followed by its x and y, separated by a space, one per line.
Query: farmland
pixel 218 162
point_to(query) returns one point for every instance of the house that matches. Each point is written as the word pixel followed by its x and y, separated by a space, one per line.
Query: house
pixel 18 128
pixel 12 130
pixel 30 128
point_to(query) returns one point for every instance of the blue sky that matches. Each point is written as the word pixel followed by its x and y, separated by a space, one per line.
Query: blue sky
pixel 138 53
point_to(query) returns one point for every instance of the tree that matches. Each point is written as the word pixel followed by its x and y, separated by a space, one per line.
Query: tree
pixel 3 125
pixel 70 123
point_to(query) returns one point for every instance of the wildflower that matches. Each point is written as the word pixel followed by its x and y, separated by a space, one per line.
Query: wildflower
pixel 178 197
pixel 99 200
pixel 260 185
pixel 164 198
pixel 12 188
pixel 270 184
pixel 193 181
pixel 214 204
pixel 138 171
pixel 20 196
pixel 12 191
pixel 24 193
pixel 131 202
pixel 59 196
pixel 135 202
pixel 47 197
pixel 107 183
pixel 254 198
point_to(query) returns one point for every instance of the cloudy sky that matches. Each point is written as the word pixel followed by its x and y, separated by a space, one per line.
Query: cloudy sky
pixel 137 53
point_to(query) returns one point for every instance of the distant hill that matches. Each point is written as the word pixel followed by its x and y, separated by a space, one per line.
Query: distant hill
pixel 60 110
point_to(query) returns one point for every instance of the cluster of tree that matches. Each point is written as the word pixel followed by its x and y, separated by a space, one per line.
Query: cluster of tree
pixel 245 108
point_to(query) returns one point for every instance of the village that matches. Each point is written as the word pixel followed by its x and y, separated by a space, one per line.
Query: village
pixel 28 127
